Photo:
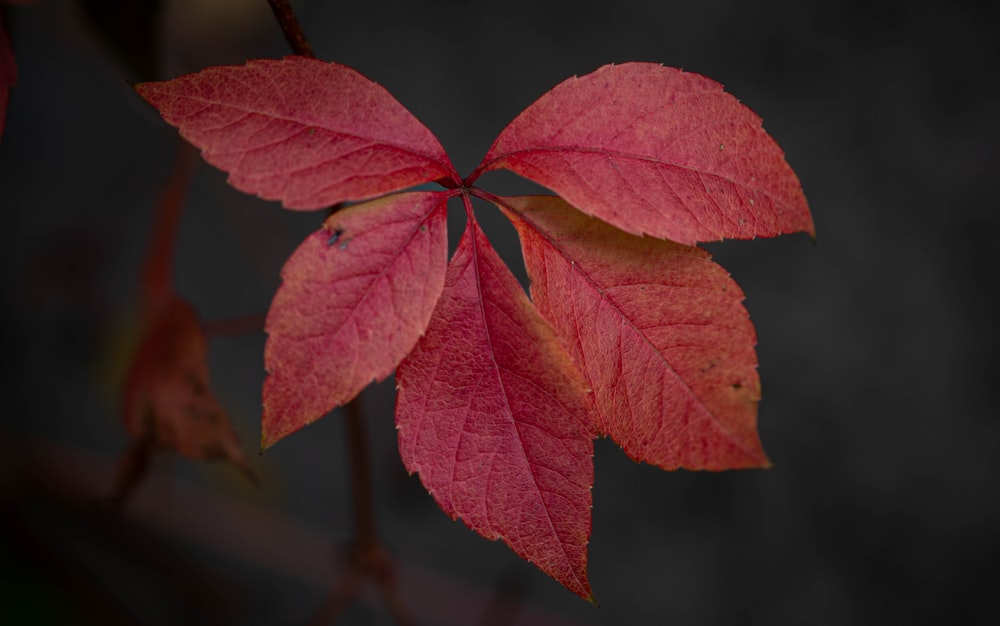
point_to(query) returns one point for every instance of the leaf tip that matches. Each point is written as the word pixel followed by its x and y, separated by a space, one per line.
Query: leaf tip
pixel 812 235
pixel 144 89
pixel 584 590
pixel 267 436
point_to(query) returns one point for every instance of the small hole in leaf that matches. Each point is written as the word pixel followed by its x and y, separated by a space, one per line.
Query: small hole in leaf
pixel 334 238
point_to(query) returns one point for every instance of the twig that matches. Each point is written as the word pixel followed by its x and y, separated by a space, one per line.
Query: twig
pixel 368 558
pixel 229 326
pixel 131 471
pixel 365 557
pixel 290 26
pixel 157 269
pixel 366 545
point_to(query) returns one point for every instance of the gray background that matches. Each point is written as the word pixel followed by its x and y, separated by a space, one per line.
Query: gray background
pixel 876 347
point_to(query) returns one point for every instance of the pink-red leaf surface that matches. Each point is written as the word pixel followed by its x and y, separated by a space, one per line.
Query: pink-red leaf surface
pixel 355 297
pixel 492 415
pixel 658 330
pixel 655 150
pixel 302 131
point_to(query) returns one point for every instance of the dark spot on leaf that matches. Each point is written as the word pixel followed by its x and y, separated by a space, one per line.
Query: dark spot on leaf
pixel 737 386
pixel 335 237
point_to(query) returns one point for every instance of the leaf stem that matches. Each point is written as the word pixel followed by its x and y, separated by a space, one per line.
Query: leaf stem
pixel 290 26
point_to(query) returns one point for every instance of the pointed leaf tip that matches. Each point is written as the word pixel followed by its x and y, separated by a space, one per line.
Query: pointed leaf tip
pixel 308 133
pixel 354 299
pixel 658 330
pixel 492 415
pixel 656 150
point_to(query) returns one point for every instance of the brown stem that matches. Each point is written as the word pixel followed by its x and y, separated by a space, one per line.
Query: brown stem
pixel 365 558
pixel 368 556
pixel 241 325
pixel 393 600
pixel 366 544
pixel 290 26
pixel 157 282
pixel 131 471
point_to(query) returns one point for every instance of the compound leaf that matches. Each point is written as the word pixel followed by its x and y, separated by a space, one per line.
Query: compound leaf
pixel 644 339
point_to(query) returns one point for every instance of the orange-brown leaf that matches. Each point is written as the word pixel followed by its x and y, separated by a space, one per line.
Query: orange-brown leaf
pixel 168 400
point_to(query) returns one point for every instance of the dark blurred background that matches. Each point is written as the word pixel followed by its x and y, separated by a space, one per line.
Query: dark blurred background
pixel 876 345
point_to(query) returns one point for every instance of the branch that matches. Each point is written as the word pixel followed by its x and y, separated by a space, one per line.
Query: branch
pixel 366 545
pixel 157 281
pixel 290 26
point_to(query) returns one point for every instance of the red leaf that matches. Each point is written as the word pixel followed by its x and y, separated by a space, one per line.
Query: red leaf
pixel 355 297
pixel 659 331
pixel 492 415
pixel 8 72
pixel 300 130
pixel 167 396
pixel 653 149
